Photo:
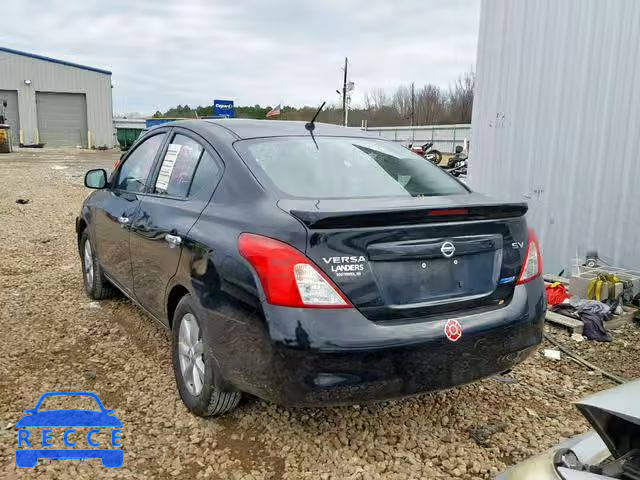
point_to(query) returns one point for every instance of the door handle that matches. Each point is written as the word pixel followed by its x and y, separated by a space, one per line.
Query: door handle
pixel 123 220
pixel 173 240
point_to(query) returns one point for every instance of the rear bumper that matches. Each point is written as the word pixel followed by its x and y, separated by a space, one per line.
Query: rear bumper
pixel 333 357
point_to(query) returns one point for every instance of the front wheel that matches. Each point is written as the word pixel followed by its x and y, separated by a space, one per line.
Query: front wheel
pixel 194 364
pixel 96 284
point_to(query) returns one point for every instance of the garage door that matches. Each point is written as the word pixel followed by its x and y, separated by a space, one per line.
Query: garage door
pixel 11 113
pixel 62 119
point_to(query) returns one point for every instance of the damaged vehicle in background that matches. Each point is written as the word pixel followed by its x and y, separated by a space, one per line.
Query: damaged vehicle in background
pixel 610 450
pixel 310 264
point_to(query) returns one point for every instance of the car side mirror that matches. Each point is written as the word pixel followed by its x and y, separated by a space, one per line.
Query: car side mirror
pixel 96 178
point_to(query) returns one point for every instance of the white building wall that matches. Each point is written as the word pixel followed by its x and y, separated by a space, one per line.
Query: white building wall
pixel 47 76
pixel 556 122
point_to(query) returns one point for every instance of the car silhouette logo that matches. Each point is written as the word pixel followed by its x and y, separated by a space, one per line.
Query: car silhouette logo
pixel 448 249
pixel 27 456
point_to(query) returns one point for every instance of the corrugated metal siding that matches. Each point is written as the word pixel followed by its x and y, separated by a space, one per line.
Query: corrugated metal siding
pixel 556 122
pixel 53 77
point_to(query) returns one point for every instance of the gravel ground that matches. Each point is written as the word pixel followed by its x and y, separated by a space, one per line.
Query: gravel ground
pixel 54 338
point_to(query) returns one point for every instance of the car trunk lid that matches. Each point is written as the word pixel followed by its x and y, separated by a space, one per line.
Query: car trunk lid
pixel 401 259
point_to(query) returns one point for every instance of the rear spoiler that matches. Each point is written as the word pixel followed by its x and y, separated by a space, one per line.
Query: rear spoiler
pixel 378 218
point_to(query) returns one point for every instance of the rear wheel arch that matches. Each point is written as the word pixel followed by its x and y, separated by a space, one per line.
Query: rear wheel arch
pixel 217 395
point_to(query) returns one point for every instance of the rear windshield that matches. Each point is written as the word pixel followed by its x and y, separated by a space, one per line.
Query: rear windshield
pixel 345 167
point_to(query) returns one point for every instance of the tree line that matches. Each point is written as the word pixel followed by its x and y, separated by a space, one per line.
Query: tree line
pixel 420 105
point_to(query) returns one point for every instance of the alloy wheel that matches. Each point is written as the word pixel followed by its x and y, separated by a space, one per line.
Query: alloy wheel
pixel 88 264
pixel 190 353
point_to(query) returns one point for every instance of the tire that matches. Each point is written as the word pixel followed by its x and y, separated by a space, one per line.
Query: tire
pixel 194 364
pixel 96 285
pixel 438 156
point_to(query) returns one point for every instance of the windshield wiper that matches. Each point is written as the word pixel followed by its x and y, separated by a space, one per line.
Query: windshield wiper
pixel 312 125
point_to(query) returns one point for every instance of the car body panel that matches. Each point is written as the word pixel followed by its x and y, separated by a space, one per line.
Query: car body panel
pixel 111 236
pixel 155 261
pixel 588 447
pixel 615 415
pixel 341 357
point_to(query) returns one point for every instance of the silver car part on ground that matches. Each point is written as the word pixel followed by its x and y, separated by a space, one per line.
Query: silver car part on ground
pixel 615 417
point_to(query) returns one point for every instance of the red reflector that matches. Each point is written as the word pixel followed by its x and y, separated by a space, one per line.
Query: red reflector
pixel 449 211
pixel 453 330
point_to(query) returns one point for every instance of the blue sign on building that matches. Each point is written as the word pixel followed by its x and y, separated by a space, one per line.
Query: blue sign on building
pixel 152 122
pixel 223 108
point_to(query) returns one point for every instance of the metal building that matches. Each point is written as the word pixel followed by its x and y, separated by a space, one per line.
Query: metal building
pixel 55 102
pixel 556 122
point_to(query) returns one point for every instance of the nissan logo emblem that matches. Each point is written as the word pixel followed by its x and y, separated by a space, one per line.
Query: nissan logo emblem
pixel 447 249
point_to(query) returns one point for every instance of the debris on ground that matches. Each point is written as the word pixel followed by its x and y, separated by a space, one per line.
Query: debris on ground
pixel 577 337
pixel 556 293
pixel 22 201
pixel 505 379
pixel 552 353
pixel 483 433
pixel 594 314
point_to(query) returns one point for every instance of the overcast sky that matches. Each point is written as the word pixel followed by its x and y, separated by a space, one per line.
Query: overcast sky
pixel 166 52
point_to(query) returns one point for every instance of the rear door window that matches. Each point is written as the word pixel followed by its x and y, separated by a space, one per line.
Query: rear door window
pixel 178 166
pixel 345 168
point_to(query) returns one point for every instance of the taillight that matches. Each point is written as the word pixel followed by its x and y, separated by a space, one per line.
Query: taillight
pixel 288 277
pixel 532 266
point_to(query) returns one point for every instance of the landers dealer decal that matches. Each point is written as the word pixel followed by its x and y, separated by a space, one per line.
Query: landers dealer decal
pixel 352 266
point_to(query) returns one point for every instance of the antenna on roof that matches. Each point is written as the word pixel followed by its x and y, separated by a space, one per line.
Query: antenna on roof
pixel 311 125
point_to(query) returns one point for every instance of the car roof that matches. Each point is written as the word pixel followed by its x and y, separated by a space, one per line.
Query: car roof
pixel 242 128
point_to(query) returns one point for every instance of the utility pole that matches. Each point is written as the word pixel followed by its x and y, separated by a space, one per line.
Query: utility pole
pixel 413 110
pixel 413 102
pixel 344 92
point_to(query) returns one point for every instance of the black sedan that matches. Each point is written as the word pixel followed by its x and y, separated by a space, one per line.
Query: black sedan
pixel 310 266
